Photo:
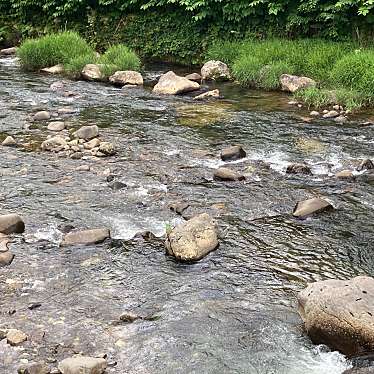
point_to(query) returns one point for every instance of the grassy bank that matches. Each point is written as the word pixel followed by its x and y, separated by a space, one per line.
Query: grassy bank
pixel 344 72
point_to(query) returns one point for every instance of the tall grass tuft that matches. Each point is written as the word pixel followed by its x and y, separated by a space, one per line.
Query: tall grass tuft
pixel 51 50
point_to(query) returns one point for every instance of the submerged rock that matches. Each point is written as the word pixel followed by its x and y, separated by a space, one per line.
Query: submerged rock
pixel 87 132
pixel 11 224
pixel 85 237
pixel 298 169
pixel 172 84
pixel 82 365
pixel 311 206
pixel 57 86
pixel 195 77
pixel 215 70
pixel 233 153
pixel 226 174
pixel 207 95
pixel 9 141
pixel 339 313
pixel 15 337
pixel 92 72
pixel 194 239
pixel 121 78
pixel 292 83
pixel 42 116
pixel 57 69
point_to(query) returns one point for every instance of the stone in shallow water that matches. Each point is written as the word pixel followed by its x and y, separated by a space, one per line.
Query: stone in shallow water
pixel 82 365
pixel 56 126
pixel 92 72
pixel 366 164
pixel 15 337
pixel 311 206
pixel 207 95
pixel 56 69
pixel 42 116
pixel 195 77
pixel 293 83
pixel 11 224
pixel 85 237
pixel 9 141
pixel 298 169
pixel 233 153
pixel 8 51
pixel 107 148
pixel 340 314
pixel 34 368
pixel 172 84
pixel 215 70
pixel 194 239
pixel 345 174
pixel 87 132
pixel 226 174
pixel 122 78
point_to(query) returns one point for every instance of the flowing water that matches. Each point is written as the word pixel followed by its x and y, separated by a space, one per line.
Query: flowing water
pixel 234 311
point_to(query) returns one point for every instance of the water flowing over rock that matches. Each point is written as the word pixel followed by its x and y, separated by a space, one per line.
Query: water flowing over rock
pixel 206 95
pixel 215 70
pixel 233 153
pixel 226 174
pixel 57 69
pixel 15 337
pixel 82 365
pixel 298 169
pixel 172 84
pixel 8 51
pixel 195 77
pixel 42 116
pixel 92 72
pixel 121 78
pixel 87 132
pixel 292 83
pixel 340 314
pixel 85 237
pixel 11 224
pixel 9 141
pixel 194 239
pixel 311 206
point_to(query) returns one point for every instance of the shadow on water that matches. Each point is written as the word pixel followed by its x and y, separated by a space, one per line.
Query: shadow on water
pixel 234 311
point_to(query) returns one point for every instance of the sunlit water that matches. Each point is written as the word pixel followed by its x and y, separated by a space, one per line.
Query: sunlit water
pixel 232 312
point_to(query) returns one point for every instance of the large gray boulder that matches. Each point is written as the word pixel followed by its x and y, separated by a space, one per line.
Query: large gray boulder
pixel 121 78
pixel 85 237
pixel 82 365
pixel 193 239
pixel 11 224
pixel 172 84
pixel 311 206
pixel 293 83
pixel 215 70
pixel 340 314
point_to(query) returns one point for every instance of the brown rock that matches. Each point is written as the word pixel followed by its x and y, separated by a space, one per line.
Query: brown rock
pixel 57 69
pixel 206 95
pixel 226 174
pixel 11 224
pixel 172 84
pixel 311 206
pixel 233 153
pixel 8 51
pixel 15 337
pixel 298 169
pixel 85 237
pixel 194 77
pixel 121 78
pixel 345 174
pixel 292 83
pixel 92 72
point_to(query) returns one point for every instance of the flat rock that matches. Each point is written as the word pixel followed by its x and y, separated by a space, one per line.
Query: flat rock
pixel 43 115
pixel 56 69
pixel 87 132
pixel 121 78
pixel 92 72
pixel 339 313
pixel 195 77
pixel 215 70
pixel 298 169
pixel 292 83
pixel 233 153
pixel 56 126
pixel 85 237
pixel 172 84
pixel 82 365
pixel 9 141
pixel 311 206
pixel 193 239
pixel 226 174
pixel 15 337
pixel 11 224
pixel 93 143
pixel 8 51
pixel 206 95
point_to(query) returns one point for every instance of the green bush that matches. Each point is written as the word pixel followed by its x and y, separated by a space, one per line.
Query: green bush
pixel 51 50
pixel 119 57
pixel 315 97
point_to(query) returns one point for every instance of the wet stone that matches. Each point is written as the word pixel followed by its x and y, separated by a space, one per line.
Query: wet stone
pixel 15 337
pixel 82 365
pixel 311 206
pixel 233 153
pixel 107 149
pixel 87 132
pixel 56 126
pixel 9 141
pixel 129 317
pixel 85 237
pixel 11 224
pixel 42 116
pixel 345 174
pixel 195 77
pixel 226 174
pixel 298 169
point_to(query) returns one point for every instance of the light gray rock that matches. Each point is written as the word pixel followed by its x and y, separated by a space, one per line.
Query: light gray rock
pixel 87 132
pixel 233 153
pixel 331 114
pixel 82 365
pixel 226 174
pixel 193 239
pixel 107 149
pixel 8 51
pixel 54 144
pixel 206 95
pixel 341 119
pixel 314 113
pixel 85 237
pixel 43 115
pixel 194 77
pixel 311 206
pixel 292 83
pixel 339 313
pixel 56 126
pixel 92 72
pixel 15 337
pixel 9 141
pixel 215 70
pixel 57 86
pixel 172 84
pixel 93 143
pixel 56 69
pixel 11 224
pixel 121 78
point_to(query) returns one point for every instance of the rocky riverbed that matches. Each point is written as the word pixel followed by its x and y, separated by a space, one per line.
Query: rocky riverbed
pixel 125 299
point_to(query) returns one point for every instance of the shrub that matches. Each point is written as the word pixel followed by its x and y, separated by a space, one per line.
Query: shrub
pixel 119 57
pixel 51 50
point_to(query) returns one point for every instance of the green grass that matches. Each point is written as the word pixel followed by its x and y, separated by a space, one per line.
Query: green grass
pixel 51 50
pixel 315 97
pixel 74 67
